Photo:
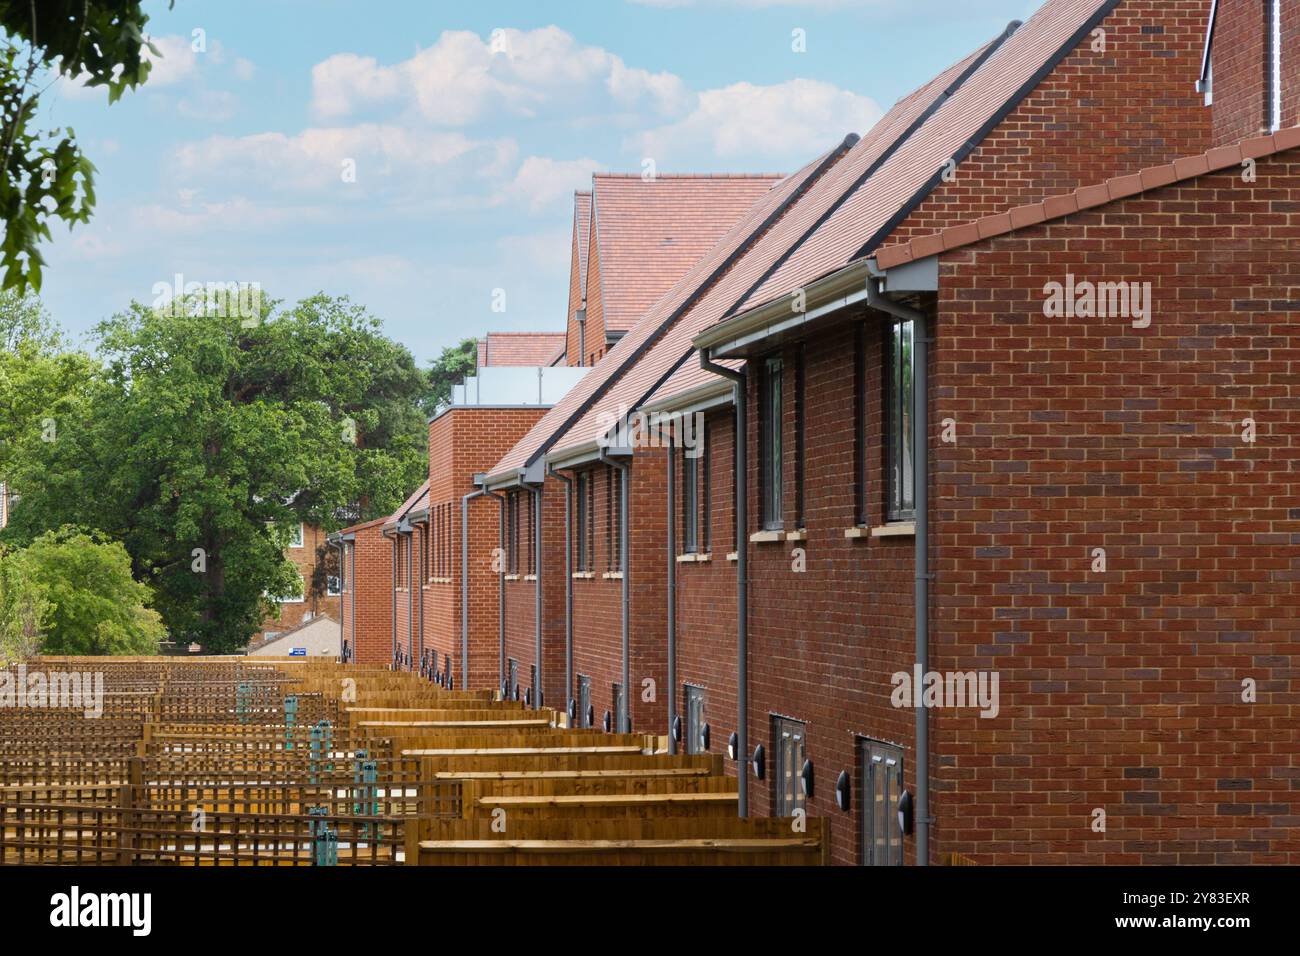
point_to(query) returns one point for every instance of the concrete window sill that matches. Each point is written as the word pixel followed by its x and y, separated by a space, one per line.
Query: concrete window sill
pixel 613 575
pixel 799 535
pixel 530 577
pixel 767 537
pixel 512 577
pixel 694 558
pixel 897 529
pixel 733 555
pixel 583 575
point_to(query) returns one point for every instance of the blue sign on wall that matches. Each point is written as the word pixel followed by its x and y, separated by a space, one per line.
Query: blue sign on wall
pixel 297 652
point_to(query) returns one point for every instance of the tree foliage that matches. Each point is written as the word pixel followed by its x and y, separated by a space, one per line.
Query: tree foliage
pixel 91 603
pixel 24 611
pixel 450 368
pixel 44 175
pixel 201 439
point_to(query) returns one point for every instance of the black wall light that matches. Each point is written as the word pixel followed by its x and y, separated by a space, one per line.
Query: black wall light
pixel 528 697
pixel 843 791
pixel 704 737
pixel 806 778
pixel 450 682
pixel 591 716
pixel 677 730
pixel 905 813
pixel 573 709
pixel 759 762
pixel 733 742
pixel 607 722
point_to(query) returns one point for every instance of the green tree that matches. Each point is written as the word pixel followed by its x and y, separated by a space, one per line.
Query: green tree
pixel 24 611
pixel 43 173
pixel 204 438
pixel 94 606
pixel 450 368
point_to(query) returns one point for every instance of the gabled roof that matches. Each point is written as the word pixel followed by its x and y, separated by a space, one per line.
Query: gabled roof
pixel 675 302
pixel 958 125
pixel 859 165
pixel 650 232
pixel 526 349
pixel 417 502
pixel 582 235
pixel 1089 197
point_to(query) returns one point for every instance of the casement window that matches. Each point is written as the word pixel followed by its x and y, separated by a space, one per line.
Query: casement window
pixel 620 714
pixel 706 496
pixel 1273 74
pixel 530 548
pixel 613 518
pixel 900 442
pixel 860 516
pixel 882 785
pixel 799 413
pixel 690 503
pixel 584 701
pixel 694 707
pixel 297 537
pixel 399 561
pixel 770 457
pixel 789 753
pixel 585 532
pixel 512 533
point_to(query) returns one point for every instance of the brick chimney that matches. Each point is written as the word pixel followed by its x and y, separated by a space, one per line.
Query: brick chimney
pixel 1251 70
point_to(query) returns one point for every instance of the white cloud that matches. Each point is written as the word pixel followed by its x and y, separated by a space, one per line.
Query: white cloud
pixel 464 78
pixel 788 122
pixel 175 62
pixel 542 181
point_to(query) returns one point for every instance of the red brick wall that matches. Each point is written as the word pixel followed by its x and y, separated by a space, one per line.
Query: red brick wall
pixel 464 441
pixel 572 338
pixel 305 560
pixel 369 630
pixel 595 310
pixel 1095 116
pixel 1123 690
pixel 1240 54
pixel 597 610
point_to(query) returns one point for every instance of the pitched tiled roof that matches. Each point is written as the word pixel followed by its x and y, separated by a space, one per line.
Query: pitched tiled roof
pixel 418 500
pixel 804 217
pixel 958 125
pixel 675 302
pixel 1088 197
pixel 519 348
pixel 582 233
pixel 649 233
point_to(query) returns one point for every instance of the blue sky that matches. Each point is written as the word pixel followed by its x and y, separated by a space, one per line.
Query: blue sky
pixel 468 124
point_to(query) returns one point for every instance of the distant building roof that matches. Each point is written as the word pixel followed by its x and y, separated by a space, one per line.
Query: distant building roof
pixel 530 349
pixel 321 637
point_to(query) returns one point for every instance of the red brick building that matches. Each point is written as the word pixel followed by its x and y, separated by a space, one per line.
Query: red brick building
pixel 1015 545
pixel 306 550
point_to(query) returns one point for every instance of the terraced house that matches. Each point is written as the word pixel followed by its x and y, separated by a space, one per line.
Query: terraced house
pixel 992 520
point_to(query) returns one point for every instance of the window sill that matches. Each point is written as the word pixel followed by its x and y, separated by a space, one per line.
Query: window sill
pixel 767 537
pixel 530 577
pixel 512 577
pixel 799 535
pixel 583 575
pixel 733 555
pixel 613 575
pixel 897 529
pixel 694 558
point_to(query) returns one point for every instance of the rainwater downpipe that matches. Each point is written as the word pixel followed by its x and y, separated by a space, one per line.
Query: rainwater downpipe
pixel 392 658
pixel 921 594
pixel 536 492
pixel 624 719
pixel 742 581
pixel 672 593
pixel 568 584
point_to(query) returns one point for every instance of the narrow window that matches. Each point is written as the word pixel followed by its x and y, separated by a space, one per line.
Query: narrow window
pixel 706 495
pixel 882 784
pixel 609 519
pixel 695 742
pixel 901 442
pixel 859 424
pixel 530 548
pixel 512 532
pixel 799 438
pixel 581 517
pixel 591 522
pixel 690 503
pixel 788 759
pixel 770 443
